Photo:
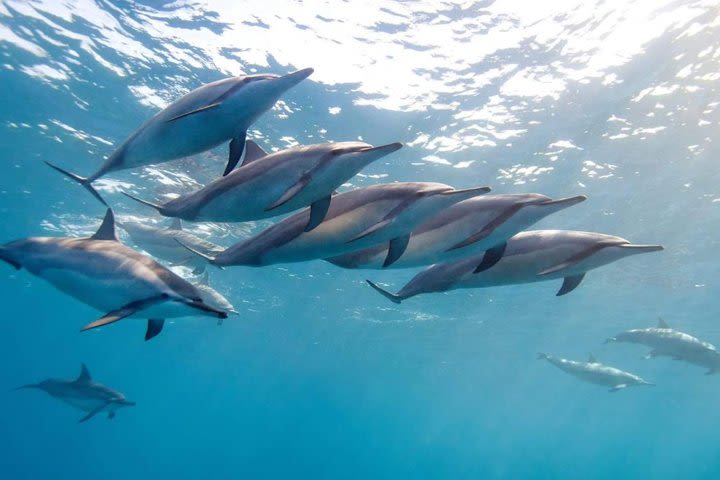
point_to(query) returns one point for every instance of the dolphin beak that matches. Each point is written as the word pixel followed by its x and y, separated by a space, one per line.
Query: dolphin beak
pixel 292 79
pixel 642 248
pixel 564 202
pixel 610 340
pixel 384 149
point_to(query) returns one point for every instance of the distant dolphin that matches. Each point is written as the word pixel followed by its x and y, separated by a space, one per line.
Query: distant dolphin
pixel 597 373
pixel 105 274
pixel 668 342
pixel 214 298
pixel 470 227
pixel 270 185
pixel 162 243
pixel 531 256
pixel 85 394
pixel 215 113
pixel 355 220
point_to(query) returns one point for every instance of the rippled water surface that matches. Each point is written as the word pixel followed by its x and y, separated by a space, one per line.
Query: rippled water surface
pixel 319 376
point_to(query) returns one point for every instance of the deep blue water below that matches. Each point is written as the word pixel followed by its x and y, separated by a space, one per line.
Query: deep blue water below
pixel 319 376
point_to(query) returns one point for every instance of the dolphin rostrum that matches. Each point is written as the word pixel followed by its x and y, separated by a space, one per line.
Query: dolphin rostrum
pixel 595 372
pixel 531 256
pixel 470 227
pixel 355 220
pixel 83 393
pixel 214 298
pixel 666 341
pixel 163 243
pixel 105 274
pixel 215 113
pixel 270 185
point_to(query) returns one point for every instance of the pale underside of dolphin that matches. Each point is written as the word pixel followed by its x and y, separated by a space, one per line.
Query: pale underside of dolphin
pixel 105 274
pixel 471 227
pixel 668 342
pixel 83 393
pixel 530 256
pixel 594 372
pixel 269 185
pixel 206 117
pixel 162 243
pixel 355 220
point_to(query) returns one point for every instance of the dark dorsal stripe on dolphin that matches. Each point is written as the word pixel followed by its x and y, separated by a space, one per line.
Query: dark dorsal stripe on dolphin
pixel 83 393
pixel 273 184
pixel 206 117
pixel 105 274
pixel 530 256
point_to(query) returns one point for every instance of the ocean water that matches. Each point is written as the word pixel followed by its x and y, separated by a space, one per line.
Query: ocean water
pixel 319 376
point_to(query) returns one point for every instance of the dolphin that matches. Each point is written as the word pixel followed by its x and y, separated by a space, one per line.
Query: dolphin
pixel 666 341
pixel 162 243
pixel 595 372
pixel 270 185
pixel 105 274
pixel 214 298
pixel 85 394
pixel 470 227
pixel 215 113
pixel 531 256
pixel 355 220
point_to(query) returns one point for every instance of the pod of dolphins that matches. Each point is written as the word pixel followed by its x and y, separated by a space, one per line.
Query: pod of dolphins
pixel 464 238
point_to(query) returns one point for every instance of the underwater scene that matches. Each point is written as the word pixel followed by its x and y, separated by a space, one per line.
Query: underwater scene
pixel 338 239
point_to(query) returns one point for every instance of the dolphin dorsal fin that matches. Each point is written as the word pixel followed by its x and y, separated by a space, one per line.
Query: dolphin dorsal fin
pixel 84 374
pixel 592 359
pixel 176 224
pixel 662 323
pixel 253 152
pixel 107 228
pixel 205 280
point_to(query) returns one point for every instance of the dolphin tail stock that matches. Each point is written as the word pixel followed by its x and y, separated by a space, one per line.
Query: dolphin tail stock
pixel 390 296
pixel 84 181
pixel 542 356
pixel 209 259
pixel 5 258
pixel 157 207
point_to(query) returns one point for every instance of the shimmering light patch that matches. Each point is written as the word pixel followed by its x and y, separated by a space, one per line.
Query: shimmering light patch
pixel 148 96
pixel 7 35
pixel 334 110
pixel 45 72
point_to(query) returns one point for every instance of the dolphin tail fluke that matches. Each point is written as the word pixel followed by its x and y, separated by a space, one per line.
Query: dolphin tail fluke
pixel 207 258
pixel 84 181
pixel 157 207
pixel 542 356
pixel 390 296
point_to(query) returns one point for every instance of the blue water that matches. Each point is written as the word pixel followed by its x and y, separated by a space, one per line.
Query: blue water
pixel 320 377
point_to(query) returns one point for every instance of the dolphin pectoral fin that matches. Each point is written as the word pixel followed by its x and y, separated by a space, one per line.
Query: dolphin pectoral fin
pixel 154 327
pixel 107 228
pixel 85 182
pixel 617 387
pixel 237 145
pixel 111 414
pixel 390 296
pixel 94 412
pixel 253 152
pixel 570 284
pixel 290 192
pixel 193 112
pixel 491 257
pixel 124 312
pixel 503 217
pixel 368 231
pixel 575 259
pixel 318 210
pixel 397 248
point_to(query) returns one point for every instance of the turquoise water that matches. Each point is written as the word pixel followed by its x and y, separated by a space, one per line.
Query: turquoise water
pixel 319 376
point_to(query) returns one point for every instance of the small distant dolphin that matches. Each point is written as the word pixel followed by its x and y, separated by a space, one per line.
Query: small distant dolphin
pixel 163 243
pixel 355 220
pixel 214 298
pixel 270 185
pixel 470 227
pixel 531 256
pixel 85 394
pixel 597 373
pixel 668 342
pixel 105 274
pixel 215 113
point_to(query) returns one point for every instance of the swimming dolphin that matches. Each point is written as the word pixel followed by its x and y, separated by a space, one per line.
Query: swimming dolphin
pixel 531 256
pixel 668 342
pixel 355 220
pixel 214 298
pixel 470 227
pixel 162 243
pixel 270 185
pixel 105 274
pixel 215 113
pixel 85 394
pixel 597 373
